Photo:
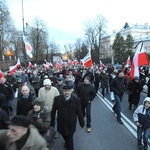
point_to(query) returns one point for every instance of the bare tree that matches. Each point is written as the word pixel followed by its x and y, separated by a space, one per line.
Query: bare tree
pixel 38 35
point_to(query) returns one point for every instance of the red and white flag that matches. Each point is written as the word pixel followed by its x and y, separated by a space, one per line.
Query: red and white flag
pixel 28 47
pixel 87 60
pixel 45 66
pixel 58 65
pixel 128 62
pixel 75 62
pixel 101 64
pixel 30 64
pixel 140 59
pixel 1 74
pixel 70 62
pixel 14 68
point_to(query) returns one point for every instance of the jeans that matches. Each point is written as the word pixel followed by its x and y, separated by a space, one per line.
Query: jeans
pixel 86 110
pixel 142 134
pixel 117 106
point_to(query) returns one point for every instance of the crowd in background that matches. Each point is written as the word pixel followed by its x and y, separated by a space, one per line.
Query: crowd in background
pixel 27 85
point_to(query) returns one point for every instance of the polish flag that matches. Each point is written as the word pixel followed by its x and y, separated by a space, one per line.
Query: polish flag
pixel 30 64
pixel 58 65
pixel 101 64
pixel 45 66
pixel 75 62
pixel 14 68
pixel 70 62
pixel 28 47
pixel 140 59
pixel 87 60
pixel 1 74
pixel 128 61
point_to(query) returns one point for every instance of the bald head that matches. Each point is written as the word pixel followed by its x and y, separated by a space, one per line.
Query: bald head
pixel 25 90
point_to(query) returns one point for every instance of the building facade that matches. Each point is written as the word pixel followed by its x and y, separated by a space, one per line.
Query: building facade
pixel 138 32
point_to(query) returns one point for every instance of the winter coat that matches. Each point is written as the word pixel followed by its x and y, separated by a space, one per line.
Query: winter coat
pixel 118 85
pixel 24 105
pixel 3 118
pixel 134 88
pixel 86 93
pixel 3 102
pixel 7 90
pixel 67 113
pixel 35 82
pixel 104 80
pixel 41 119
pixel 48 96
pixel 34 142
pixel 140 116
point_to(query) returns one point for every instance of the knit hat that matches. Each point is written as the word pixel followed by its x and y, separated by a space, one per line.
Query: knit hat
pixel 47 82
pixel 19 120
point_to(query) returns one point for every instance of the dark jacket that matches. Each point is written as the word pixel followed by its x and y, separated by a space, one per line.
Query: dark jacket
pixel 3 102
pixel 67 112
pixel 86 93
pixel 3 118
pixel 134 88
pixel 7 90
pixel 118 86
pixel 24 105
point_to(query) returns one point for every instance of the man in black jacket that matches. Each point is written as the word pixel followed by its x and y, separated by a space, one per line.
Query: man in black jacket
pixel 68 108
pixel 86 92
pixel 118 86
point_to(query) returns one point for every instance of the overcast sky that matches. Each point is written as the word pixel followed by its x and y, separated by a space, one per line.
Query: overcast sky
pixel 65 18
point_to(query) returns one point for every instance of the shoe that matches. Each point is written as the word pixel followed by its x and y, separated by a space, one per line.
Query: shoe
pixel 145 147
pixel 114 110
pixel 55 134
pixel 120 121
pixel 140 147
pixel 88 129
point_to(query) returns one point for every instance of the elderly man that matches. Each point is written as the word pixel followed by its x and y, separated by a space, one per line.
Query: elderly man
pixel 68 108
pixel 48 93
pixel 24 104
pixel 21 135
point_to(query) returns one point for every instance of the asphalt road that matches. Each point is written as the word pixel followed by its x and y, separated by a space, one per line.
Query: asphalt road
pixel 106 134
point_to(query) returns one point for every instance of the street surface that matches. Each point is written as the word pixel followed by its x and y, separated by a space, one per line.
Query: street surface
pixel 107 133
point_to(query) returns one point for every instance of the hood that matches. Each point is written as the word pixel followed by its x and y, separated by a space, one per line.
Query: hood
pixel 38 101
pixel 146 99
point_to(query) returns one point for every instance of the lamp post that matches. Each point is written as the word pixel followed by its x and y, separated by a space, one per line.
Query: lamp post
pixel 112 54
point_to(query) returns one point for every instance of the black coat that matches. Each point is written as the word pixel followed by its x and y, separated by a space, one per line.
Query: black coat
pixel 134 88
pixel 24 105
pixel 86 93
pixel 3 119
pixel 67 111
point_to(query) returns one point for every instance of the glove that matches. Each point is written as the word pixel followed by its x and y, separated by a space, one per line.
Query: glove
pixel 36 117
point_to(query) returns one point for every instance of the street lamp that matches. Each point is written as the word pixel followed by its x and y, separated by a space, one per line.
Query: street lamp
pixel 112 53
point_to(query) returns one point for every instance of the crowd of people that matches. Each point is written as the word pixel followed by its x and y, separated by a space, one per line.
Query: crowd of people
pixel 50 99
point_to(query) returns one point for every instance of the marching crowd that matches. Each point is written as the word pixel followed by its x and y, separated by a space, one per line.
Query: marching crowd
pixel 49 101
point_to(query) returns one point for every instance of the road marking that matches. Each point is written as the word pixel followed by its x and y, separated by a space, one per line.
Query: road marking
pixel 127 123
